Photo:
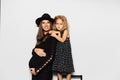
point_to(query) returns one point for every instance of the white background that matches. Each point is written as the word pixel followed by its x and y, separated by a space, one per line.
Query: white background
pixel 94 31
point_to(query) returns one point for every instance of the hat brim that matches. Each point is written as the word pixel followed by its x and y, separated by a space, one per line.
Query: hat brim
pixel 38 20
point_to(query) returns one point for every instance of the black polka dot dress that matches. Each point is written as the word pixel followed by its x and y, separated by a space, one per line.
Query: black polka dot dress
pixel 63 59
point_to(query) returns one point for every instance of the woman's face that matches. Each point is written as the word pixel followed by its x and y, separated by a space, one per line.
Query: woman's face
pixel 59 24
pixel 45 25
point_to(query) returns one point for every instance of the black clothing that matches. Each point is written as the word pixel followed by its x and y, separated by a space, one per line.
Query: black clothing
pixel 45 63
pixel 63 58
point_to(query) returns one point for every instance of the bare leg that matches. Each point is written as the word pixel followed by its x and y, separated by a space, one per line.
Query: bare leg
pixel 32 70
pixel 68 76
pixel 59 76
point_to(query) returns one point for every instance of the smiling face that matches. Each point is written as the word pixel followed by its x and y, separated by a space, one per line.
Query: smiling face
pixel 45 25
pixel 59 24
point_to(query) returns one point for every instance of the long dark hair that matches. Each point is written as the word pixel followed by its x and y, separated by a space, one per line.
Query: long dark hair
pixel 41 37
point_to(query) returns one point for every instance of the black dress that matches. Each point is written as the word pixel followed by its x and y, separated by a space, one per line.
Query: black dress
pixel 44 64
pixel 63 59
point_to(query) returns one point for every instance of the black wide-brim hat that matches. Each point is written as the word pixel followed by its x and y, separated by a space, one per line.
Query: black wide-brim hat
pixel 44 17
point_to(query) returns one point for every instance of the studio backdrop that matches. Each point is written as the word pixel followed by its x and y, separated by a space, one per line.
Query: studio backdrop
pixel 94 27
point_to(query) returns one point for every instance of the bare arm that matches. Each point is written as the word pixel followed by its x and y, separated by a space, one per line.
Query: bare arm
pixel 59 38
pixel 55 32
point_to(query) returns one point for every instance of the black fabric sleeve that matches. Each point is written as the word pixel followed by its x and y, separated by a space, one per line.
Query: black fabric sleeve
pixel 53 46
pixel 33 52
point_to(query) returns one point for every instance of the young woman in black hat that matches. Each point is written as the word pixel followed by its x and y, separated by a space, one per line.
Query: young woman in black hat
pixel 42 58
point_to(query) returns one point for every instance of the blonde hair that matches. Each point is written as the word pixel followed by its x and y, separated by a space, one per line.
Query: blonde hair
pixel 64 20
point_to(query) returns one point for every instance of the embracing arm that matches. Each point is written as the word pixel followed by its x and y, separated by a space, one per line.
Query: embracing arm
pixel 59 38
pixel 39 51
pixel 53 45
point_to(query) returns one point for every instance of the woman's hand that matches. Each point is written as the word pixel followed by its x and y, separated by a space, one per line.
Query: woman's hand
pixel 40 52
